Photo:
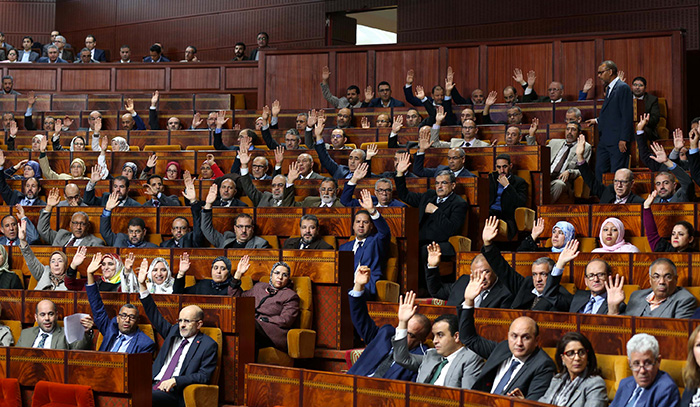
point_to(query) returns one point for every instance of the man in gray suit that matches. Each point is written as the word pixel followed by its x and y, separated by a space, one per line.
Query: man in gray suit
pixel 563 160
pixel 663 300
pixel 282 188
pixel 79 227
pixel 449 363
pixel 516 367
pixel 243 236
pixel 328 196
pixel 47 335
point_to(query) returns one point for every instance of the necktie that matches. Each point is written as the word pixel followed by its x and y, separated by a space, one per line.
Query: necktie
pixel 156 202
pixel 562 160
pixel 359 245
pixel 607 89
pixel 506 377
pixel 534 303
pixel 635 397
pixel 440 200
pixel 173 363
pixel 589 306
pixel 384 365
pixel 467 144
pixel 71 241
pixel 436 371
pixel 117 344
pixel 480 298
pixel 303 246
pixel 42 342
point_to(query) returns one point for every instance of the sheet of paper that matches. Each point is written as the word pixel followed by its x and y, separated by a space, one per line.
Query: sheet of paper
pixel 72 327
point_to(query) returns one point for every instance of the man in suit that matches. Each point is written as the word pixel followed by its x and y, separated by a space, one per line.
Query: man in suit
pixel 455 160
pixel 651 105
pixel 84 57
pixel 281 190
pixel 619 192
pixel 30 197
pixel 156 54
pixel 52 57
pixel 96 54
pixel 648 386
pixel 48 335
pixel 187 356
pixel 121 333
pixel 663 300
pixel 262 40
pixel 154 188
pixel 369 248
pixel 26 54
pixel 308 228
pixel 517 366
pixel 594 300
pixel 383 191
pixel 292 138
pixel 377 358
pixel 306 167
pixel 528 292
pixel 328 196
pixel 79 227
pixel 8 84
pixel 449 364
pixel 10 227
pixel 563 160
pixel 337 171
pixel 469 139
pixel 223 196
pixel 180 229
pixel 120 186
pixel 64 53
pixel 384 99
pixel 507 192
pixel 242 237
pixel 136 236
pixel 494 294
pixel 614 122
pixel 555 93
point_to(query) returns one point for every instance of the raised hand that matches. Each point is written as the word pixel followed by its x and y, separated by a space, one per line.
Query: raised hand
pixel 440 114
pixel 237 126
pixel 311 118
pixel 95 264
pixel 398 124
pixel 266 114
pixel 96 124
pixel 434 255
pixel 694 136
pixel 79 257
pixel 650 199
pixel 569 253
pixel 404 161
pixel 67 122
pixel 531 78
pixel 20 164
pixel 155 98
pixel 365 123
pixel 420 92
pixel 369 94
pixel 659 153
pixel 19 211
pixel 423 139
pixel 243 155
pixel 279 156
pixel 112 201
pixel 621 75
pixel 372 150
pixel 31 99
pixel 22 230
pixel 13 129
pixel 96 174
pixel 243 266
pixel 276 108
pixel 616 294
pixel 678 141
pixel 189 192
pixel 643 121
pixel 325 74
pixel 53 198
pixel 221 119
pixel 129 262
pixel 197 120
pixel 152 160
pixel 43 142
pixel 580 147
pixel 104 141
pixel 534 126
pixel 564 176
pixel 409 76
pixel 320 125
pixel 362 274
pixel 184 264
pixel 490 230
pixel 491 98
pixel 518 76
pixel 474 288
pixel 143 274
pixel 129 106
pixel 360 172
pixel 537 228
pixel 366 201
pixel 244 144
pixel 407 309
pixel 293 173
pixel 588 85
pixel 212 195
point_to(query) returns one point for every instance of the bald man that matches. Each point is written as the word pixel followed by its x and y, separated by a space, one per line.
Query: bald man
pixel 555 94
pixel 196 351
pixel 48 335
pixel 72 195
pixel 514 366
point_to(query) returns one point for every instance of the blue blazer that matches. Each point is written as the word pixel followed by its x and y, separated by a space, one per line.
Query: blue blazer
pixel 99 55
pixel 348 201
pixel 615 121
pixel 372 253
pixel 163 58
pixel 110 329
pixel 199 363
pixel 378 340
pixel 45 60
pixel 336 170
pixel 663 392
pixel 421 171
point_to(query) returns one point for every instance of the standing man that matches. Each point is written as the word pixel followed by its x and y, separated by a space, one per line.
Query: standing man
pixel 262 40
pixel 615 122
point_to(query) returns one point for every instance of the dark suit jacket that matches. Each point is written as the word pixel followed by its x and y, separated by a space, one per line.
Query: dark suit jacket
pixel 315 202
pixel 165 200
pixel 421 171
pixel 12 197
pixel 372 253
pixel 578 302
pixel 193 238
pixel 99 55
pixel 264 198
pixel 109 328
pixel 90 199
pixel 651 106
pixel 33 56
pixel 377 102
pixel 378 340
pixel 336 170
pixel 45 60
pixel 348 201
pixel 522 287
pixel 163 58
pixel 199 363
pixel 606 193
pixel 453 293
pixel 234 203
pixel 513 197
pixel 439 226
pixel 615 121
pixel 117 239
pixel 293 243
pixel 532 379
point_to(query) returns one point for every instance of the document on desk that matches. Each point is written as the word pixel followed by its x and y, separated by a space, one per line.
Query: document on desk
pixel 72 327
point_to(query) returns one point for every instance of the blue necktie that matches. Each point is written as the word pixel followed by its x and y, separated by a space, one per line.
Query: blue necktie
pixel 506 377
pixel 589 306
pixel 42 342
pixel 635 397
pixel 118 344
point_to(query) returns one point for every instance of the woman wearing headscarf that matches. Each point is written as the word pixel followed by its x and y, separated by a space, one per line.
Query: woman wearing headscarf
pixel 129 170
pixel 210 169
pixel 51 277
pixel 682 235
pixel 276 304
pixel 77 143
pixel 30 169
pixel 119 144
pixel 8 278
pixel 6 338
pixel 160 279
pixel 612 238
pixel 562 233
pixel 112 271
pixel 172 171
pixel 77 169
pixel 217 285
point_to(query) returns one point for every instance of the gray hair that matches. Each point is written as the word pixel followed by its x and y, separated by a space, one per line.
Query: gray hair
pixel 87 217
pixel 460 151
pixel 642 343
pixel 545 260
pixel 447 172
pixel 364 155
pixel 384 180
pixel 60 38
pixel 610 65
pixel 52 47
pixel 576 111
pixel 669 262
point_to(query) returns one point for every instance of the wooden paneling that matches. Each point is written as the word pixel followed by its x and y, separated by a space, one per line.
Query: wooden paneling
pixel 350 69
pixel 391 66
pixel 194 78
pixel 242 77
pixel 35 18
pixel 465 62
pixel 34 79
pixel 75 80
pixel 578 63
pixel 502 59
pixel 289 78
pixel 133 79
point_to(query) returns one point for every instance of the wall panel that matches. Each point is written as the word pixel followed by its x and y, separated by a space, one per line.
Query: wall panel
pixel 76 80
pixel 465 63
pixel 134 79
pixel 195 78
pixel 502 59
pixel 35 18
pixel 350 69
pixel 393 65
pixel 578 63
pixel 292 79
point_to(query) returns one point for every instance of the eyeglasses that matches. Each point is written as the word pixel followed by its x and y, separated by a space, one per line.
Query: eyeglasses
pixel 243 226
pixel 130 317
pixel 258 166
pixel 383 190
pixel 74 223
pixel 598 276
pixel 647 365
pixel 622 181
pixel 571 353
pixel 71 198
pixel 603 71
pixel 667 277
pixel 187 321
